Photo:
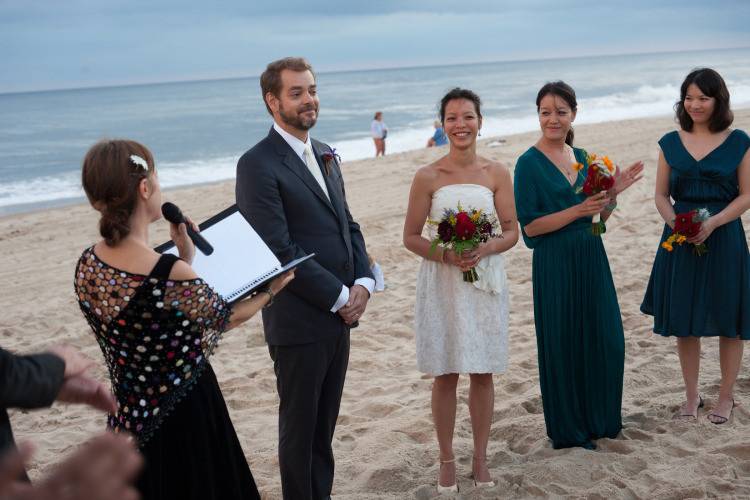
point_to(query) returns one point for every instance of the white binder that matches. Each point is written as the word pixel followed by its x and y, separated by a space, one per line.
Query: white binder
pixel 240 263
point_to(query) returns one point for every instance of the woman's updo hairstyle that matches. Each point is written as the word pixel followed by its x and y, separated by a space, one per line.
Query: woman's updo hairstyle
pixel 566 93
pixel 459 93
pixel 112 172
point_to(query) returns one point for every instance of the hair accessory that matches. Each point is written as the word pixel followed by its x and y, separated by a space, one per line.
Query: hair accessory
pixel 139 161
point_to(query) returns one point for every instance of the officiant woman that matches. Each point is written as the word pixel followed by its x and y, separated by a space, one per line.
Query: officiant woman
pixel 157 323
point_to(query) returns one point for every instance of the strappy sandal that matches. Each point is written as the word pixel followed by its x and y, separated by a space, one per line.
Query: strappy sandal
pixel 695 415
pixel 724 419
pixel 447 489
pixel 480 484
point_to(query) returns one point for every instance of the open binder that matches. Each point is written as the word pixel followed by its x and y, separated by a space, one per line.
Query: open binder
pixel 241 262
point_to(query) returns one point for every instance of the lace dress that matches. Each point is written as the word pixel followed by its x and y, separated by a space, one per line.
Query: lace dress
pixel 156 335
pixel 462 327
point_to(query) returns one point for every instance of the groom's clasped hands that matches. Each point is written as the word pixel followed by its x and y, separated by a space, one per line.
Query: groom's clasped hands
pixel 356 305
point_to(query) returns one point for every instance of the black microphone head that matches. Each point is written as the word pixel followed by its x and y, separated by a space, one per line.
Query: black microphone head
pixel 172 213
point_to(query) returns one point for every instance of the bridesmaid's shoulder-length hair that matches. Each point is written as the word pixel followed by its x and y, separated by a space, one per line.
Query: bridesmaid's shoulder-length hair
pixel 712 85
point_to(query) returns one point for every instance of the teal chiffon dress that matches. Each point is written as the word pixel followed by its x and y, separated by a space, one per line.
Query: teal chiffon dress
pixel 706 295
pixel 580 342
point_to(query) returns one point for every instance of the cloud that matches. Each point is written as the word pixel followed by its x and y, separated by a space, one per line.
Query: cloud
pixel 47 44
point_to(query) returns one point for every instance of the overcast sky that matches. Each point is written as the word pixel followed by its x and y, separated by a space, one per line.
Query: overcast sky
pixel 47 44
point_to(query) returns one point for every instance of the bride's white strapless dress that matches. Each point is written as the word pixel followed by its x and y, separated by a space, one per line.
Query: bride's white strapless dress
pixel 462 327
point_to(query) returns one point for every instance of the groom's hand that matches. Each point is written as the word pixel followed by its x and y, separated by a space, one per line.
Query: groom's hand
pixel 355 307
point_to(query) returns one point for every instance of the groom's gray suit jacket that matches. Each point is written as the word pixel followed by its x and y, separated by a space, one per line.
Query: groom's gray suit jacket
pixel 283 202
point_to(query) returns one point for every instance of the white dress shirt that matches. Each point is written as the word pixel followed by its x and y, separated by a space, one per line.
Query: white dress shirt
pixel 299 148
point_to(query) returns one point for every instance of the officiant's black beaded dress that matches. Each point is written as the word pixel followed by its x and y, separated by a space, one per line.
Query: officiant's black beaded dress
pixel 156 335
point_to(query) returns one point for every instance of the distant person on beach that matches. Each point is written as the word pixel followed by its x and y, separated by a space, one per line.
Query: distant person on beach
pixel 704 165
pixel 379 131
pixel 438 138
pixel 291 190
pixel 157 323
pixel 580 340
pixel 461 327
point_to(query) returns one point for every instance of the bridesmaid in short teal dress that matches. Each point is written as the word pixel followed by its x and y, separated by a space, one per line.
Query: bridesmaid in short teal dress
pixel 581 347
pixel 692 296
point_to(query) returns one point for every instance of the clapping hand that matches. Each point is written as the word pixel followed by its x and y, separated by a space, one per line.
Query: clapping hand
pixel 628 177
pixel 179 235
pixel 356 305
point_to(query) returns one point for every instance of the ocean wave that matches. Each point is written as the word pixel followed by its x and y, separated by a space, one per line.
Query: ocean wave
pixel 643 101
pixel 66 186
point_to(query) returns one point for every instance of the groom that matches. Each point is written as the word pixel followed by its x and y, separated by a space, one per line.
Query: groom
pixel 290 189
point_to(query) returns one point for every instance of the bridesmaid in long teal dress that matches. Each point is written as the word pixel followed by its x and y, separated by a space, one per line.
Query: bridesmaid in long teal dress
pixel 579 332
pixel 705 165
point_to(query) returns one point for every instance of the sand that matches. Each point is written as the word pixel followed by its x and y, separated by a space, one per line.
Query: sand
pixel 384 443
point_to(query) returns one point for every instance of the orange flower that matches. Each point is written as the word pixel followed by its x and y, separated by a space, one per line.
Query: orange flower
pixel 666 246
pixel 608 163
pixel 577 166
pixel 681 239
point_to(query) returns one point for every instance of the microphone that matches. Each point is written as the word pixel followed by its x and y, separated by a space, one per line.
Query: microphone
pixel 173 214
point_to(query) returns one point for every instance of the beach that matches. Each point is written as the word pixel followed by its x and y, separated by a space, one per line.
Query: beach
pixel 384 444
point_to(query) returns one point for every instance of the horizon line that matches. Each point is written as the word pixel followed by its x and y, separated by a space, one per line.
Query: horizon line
pixel 354 70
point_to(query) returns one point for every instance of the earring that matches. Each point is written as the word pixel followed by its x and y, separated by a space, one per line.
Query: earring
pixel 479 133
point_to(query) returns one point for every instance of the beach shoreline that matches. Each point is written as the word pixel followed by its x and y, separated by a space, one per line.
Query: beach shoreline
pixel 384 443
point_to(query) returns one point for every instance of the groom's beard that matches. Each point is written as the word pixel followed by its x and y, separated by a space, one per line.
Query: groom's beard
pixel 296 120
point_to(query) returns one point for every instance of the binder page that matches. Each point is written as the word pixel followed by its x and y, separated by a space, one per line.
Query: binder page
pixel 239 260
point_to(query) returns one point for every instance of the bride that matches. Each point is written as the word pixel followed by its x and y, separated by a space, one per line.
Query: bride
pixel 461 327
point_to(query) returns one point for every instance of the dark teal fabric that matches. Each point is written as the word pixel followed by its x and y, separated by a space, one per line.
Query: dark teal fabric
pixel 580 342
pixel 708 295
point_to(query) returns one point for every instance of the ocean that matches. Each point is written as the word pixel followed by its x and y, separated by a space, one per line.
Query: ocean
pixel 198 130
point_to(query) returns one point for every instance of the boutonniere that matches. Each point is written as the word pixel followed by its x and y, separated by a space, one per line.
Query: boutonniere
pixel 328 158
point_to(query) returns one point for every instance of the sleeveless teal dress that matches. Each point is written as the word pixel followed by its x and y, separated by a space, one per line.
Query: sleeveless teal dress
pixel 580 342
pixel 708 295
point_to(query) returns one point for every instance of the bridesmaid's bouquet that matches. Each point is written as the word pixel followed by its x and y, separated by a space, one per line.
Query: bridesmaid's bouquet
pixel 463 230
pixel 687 225
pixel 600 176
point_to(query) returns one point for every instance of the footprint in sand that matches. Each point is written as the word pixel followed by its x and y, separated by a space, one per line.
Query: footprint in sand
pixel 534 406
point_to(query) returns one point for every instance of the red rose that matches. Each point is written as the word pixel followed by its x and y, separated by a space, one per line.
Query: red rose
pixel 588 186
pixel 465 229
pixel 607 182
pixel 683 224
pixel 445 231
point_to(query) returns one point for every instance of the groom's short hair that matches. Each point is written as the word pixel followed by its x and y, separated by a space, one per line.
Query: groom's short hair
pixel 270 80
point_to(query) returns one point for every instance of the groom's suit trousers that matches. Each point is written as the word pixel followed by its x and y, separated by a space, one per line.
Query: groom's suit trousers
pixel 310 380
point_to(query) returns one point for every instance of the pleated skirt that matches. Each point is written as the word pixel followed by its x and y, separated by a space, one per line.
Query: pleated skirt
pixel 702 296
pixel 580 340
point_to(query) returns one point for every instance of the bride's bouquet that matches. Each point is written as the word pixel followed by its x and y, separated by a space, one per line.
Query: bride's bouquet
pixel 600 176
pixel 463 230
pixel 687 225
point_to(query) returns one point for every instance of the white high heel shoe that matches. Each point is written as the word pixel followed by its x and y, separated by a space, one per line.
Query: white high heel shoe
pixel 447 489
pixel 480 484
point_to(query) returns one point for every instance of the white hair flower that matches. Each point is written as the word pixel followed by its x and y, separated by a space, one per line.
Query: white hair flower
pixel 139 161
